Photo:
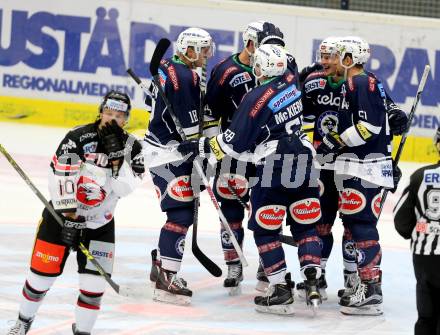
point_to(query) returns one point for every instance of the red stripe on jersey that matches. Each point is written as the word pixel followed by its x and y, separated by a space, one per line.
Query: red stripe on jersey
pixel 350 84
pixel 371 84
pixel 260 102
pixel 226 74
pixel 64 167
pixel 315 74
pixel 173 77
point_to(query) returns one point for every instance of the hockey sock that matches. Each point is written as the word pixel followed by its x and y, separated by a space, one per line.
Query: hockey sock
pixel 326 236
pixel 309 248
pixel 271 256
pixel 349 251
pixel 34 290
pixel 229 252
pixel 89 301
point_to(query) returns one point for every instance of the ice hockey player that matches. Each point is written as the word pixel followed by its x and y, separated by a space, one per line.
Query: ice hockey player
pixel 94 166
pixel 268 124
pixel 363 164
pixel 417 217
pixel 180 83
pixel 230 80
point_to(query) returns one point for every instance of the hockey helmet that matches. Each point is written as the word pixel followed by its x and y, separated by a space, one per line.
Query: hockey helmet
pixel 271 60
pixel 196 38
pixel 251 31
pixel 356 47
pixel 118 101
pixel 327 46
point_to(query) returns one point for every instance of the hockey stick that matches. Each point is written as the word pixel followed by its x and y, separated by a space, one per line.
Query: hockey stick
pixel 118 289
pixel 154 67
pixel 405 134
pixel 283 238
pixel 158 54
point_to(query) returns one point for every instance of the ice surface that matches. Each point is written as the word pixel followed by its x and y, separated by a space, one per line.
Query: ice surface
pixel 138 221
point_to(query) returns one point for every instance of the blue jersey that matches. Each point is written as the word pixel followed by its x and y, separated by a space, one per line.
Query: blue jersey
pixel 230 80
pixel 182 89
pixel 266 114
pixel 363 127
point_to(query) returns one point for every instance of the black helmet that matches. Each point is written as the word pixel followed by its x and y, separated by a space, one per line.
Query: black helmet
pixel 117 101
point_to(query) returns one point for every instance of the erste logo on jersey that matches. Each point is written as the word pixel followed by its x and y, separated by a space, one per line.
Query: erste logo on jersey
pixel 240 78
pixel 270 217
pixel 315 84
pixel 89 192
pixel 180 189
pixel 351 201
pixel 234 181
pixel 375 204
pixel 306 211
pixel 327 122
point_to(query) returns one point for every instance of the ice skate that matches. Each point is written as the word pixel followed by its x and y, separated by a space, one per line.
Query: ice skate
pixel 234 278
pixel 77 332
pixel 366 300
pixel 322 286
pixel 278 299
pixel 155 266
pixel 171 289
pixel 351 281
pixel 21 327
pixel 262 281
pixel 312 295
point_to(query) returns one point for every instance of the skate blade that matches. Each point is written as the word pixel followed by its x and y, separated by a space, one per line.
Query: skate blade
pixel 314 306
pixel 174 299
pixel 367 310
pixel 234 291
pixel 302 294
pixel 262 286
pixel 276 309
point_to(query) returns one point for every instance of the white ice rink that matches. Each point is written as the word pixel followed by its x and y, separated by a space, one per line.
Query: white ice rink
pixel 138 221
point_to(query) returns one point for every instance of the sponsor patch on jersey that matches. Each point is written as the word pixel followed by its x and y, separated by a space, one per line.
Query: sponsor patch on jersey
pixel 351 201
pixel 363 131
pixel 371 84
pixel 327 122
pixel 270 217
pixel 387 170
pixel 306 211
pixel 104 253
pixel 381 90
pixel 66 147
pixel 375 205
pixel 86 136
pixel 162 78
pixel 234 181
pixel 431 177
pixel 422 226
pixel 239 79
pixel 328 100
pixel 315 84
pixel 47 257
pixel 180 245
pixel 90 147
pixel 284 98
pixel 180 189
pixel 226 74
pixel 261 101
pixel 173 77
pixel 89 193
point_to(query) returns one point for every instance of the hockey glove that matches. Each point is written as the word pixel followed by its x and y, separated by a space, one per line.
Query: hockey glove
pixel 112 137
pixel 308 70
pixel 72 231
pixel 270 34
pixel 331 143
pixel 191 149
pixel 397 118
pixel 397 174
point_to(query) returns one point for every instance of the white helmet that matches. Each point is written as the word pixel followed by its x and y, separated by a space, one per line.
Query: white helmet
pixel 250 33
pixel 196 38
pixel 271 60
pixel 356 46
pixel 327 46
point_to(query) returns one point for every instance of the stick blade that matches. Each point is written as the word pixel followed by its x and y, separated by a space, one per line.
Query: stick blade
pixel 207 263
pixel 161 48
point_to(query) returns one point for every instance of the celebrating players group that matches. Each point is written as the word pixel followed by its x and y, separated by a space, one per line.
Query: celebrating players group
pixel 245 127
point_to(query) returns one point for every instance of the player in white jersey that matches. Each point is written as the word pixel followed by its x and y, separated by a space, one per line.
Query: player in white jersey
pixel 94 166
